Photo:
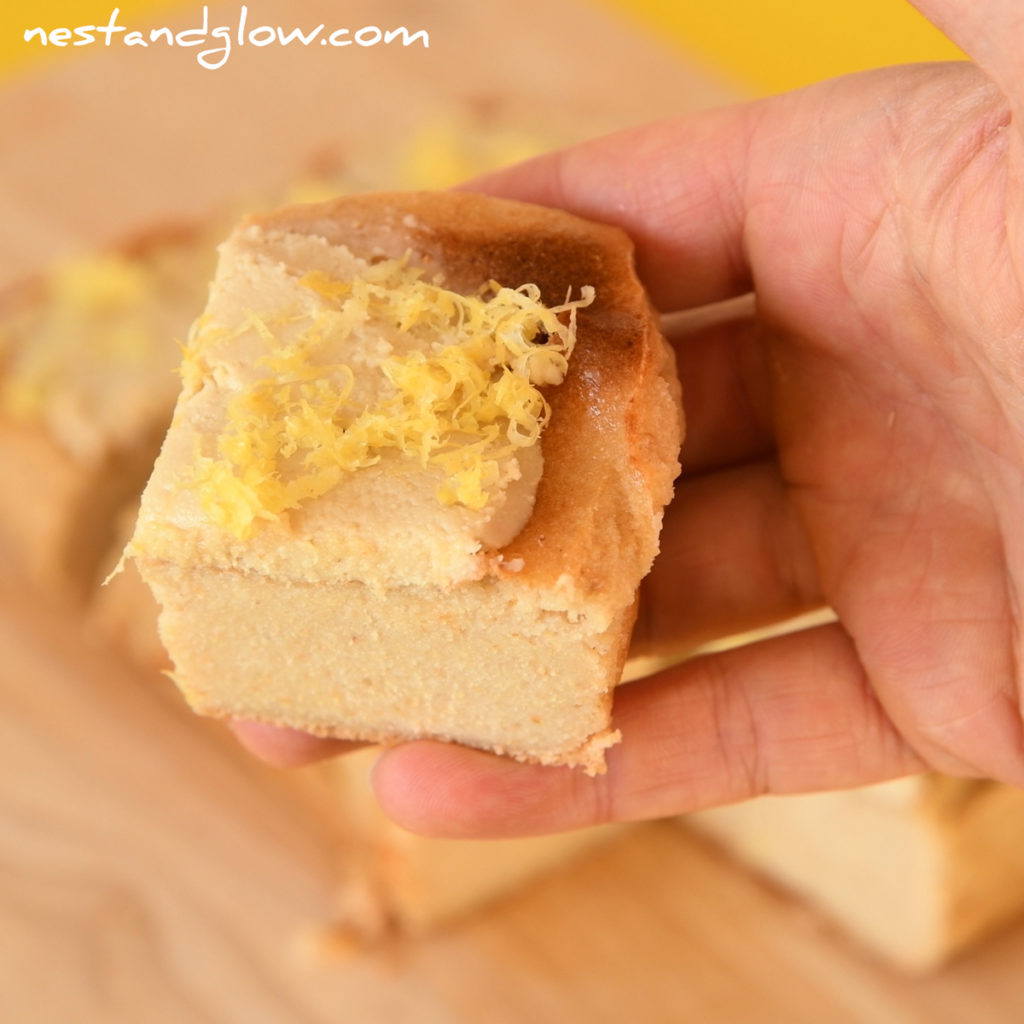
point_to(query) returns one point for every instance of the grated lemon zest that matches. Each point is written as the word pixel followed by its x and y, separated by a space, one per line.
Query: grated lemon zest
pixel 461 406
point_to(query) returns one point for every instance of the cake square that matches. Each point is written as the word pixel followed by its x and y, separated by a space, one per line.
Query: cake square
pixel 415 475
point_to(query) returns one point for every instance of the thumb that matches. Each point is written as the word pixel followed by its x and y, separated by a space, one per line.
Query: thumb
pixel 675 186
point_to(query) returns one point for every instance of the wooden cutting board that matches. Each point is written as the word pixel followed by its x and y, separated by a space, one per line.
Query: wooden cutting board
pixel 152 872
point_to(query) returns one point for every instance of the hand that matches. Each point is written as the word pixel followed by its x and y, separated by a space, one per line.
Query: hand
pixel 856 440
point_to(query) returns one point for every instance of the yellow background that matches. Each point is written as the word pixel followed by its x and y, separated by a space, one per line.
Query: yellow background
pixel 764 45
pixel 772 45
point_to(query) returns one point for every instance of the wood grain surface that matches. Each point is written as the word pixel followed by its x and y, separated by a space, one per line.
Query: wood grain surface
pixel 153 873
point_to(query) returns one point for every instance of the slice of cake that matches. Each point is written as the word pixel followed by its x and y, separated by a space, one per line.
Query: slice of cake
pixel 87 385
pixel 415 475
pixel 916 870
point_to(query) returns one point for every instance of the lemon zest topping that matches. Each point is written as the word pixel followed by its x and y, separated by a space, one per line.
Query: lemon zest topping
pixel 464 396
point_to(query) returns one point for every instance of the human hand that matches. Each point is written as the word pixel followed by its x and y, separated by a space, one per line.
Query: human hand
pixel 855 441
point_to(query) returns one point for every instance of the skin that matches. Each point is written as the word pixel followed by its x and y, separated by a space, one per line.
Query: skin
pixel 855 440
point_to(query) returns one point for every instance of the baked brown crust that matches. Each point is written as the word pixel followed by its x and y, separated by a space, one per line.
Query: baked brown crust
pixel 611 448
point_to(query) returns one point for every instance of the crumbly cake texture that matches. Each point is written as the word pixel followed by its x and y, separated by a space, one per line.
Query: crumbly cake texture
pixel 375 610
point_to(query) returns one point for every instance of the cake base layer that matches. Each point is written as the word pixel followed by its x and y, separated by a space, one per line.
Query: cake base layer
pixel 489 666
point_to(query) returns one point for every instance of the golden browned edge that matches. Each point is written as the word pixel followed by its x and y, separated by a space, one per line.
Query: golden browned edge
pixel 600 497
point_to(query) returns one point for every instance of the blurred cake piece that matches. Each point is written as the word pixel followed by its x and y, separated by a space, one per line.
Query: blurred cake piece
pixel 915 870
pixel 87 383
pixel 395 883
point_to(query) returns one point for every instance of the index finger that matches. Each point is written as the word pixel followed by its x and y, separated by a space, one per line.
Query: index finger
pixel 675 186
